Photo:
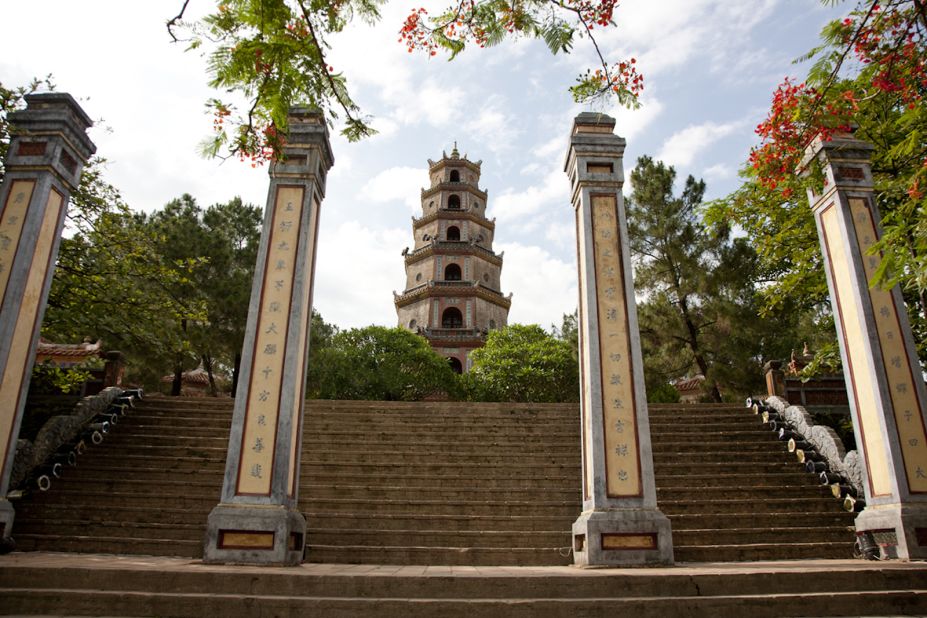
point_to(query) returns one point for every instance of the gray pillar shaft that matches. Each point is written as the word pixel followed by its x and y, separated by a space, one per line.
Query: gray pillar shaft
pixel 887 395
pixel 620 523
pixel 48 149
pixel 257 520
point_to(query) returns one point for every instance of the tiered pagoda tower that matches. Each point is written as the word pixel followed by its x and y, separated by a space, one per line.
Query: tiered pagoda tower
pixel 453 294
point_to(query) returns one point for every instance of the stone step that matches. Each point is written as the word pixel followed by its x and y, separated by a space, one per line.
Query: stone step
pixel 90 602
pixel 763 551
pixel 684 479
pixel 436 537
pixel 682 468
pixel 113 528
pixel 408 443
pixel 179 576
pixel 544 507
pixel 770 535
pixel 765 505
pixel 750 519
pixel 110 545
pixel 464 556
pixel 747 492
pixel 140 498
pixel 454 521
pixel 90 474
pixel 120 512
pixel 439 490
pixel 439 470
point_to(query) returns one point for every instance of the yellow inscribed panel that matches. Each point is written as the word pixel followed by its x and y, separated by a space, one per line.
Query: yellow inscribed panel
pixel 11 227
pixel 629 541
pixel 861 369
pixel 906 407
pixel 21 342
pixel 249 540
pixel 263 399
pixel 622 459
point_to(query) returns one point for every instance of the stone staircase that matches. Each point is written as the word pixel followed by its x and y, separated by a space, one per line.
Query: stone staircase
pixel 94 585
pixel 438 484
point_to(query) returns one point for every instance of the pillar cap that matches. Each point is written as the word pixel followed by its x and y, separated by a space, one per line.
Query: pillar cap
pixel 840 145
pixel 593 122
pixel 307 126
pixel 52 112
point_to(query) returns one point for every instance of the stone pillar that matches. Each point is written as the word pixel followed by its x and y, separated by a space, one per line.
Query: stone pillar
pixel 620 524
pixel 114 368
pixel 48 149
pixel 775 379
pixel 257 521
pixel 884 383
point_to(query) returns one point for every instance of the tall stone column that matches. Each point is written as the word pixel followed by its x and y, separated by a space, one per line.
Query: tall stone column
pixel 884 382
pixel 620 524
pixel 48 149
pixel 257 521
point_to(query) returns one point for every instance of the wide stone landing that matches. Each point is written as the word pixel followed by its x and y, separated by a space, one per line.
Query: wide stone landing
pixel 105 585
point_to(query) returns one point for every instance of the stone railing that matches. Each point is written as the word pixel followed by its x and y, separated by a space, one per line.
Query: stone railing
pixel 61 430
pixel 825 441
pixel 453 334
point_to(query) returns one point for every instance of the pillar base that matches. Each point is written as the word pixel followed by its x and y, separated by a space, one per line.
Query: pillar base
pixel 898 530
pixel 622 537
pixel 254 534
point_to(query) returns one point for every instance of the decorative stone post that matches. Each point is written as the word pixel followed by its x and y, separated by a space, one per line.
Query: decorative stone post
pixel 257 521
pixel 884 383
pixel 775 378
pixel 620 524
pixel 48 149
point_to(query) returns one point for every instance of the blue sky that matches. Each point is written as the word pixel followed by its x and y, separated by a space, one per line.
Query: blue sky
pixel 710 67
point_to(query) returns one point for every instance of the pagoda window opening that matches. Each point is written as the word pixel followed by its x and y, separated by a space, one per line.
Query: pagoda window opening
pixel 453 233
pixel 455 176
pixel 456 367
pixel 453 202
pixel 452 318
pixel 452 273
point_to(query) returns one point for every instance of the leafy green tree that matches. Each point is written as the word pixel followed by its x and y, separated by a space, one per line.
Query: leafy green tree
pixel 110 282
pixel 569 331
pixel 698 315
pixel 524 363
pixel 274 53
pixel 218 246
pixel 868 71
pixel 379 363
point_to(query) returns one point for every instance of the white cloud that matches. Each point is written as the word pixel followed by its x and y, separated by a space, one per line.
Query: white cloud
pixel 396 184
pixel 492 127
pixel 520 206
pixel 357 269
pixel 629 123
pixel 718 171
pixel 681 148
pixel 543 286
pixel 438 105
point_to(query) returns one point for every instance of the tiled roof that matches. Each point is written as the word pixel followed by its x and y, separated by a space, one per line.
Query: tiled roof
pixel 87 349
pixel 197 376
pixel 689 384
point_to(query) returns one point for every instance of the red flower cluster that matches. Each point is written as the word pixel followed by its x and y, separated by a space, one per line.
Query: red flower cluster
pixel 416 34
pixel 622 76
pixel 798 113
pixel 594 13
pixel 887 42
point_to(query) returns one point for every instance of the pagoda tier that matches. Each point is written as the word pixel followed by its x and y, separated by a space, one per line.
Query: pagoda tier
pixel 452 294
